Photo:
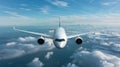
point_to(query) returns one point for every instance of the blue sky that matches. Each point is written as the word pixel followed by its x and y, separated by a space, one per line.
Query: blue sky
pixel 34 12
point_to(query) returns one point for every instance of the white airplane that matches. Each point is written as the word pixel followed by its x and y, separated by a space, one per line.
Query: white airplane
pixel 59 37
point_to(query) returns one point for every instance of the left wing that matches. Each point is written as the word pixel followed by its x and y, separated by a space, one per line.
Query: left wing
pixel 35 33
pixel 77 35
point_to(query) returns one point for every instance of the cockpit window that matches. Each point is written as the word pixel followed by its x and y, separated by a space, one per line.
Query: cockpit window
pixel 59 40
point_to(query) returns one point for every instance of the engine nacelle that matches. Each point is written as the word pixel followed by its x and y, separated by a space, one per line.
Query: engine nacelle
pixel 41 40
pixel 78 40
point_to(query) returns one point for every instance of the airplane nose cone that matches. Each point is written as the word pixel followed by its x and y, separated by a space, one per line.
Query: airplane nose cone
pixel 60 44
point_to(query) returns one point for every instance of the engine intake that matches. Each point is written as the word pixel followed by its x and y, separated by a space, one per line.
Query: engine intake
pixel 41 40
pixel 79 40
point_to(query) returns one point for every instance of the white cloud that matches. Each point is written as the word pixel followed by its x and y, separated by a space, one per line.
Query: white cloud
pixel 48 55
pixel 35 63
pixel 110 19
pixel 20 48
pixel 17 19
pixel 11 44
pixel 23 5
pixel 10 53
pixel 30 46
pixel 26 9
pixel 106 40
pixel 96 58
pixel 107 59
pixel 115 47
pixel 72 65
pixel 115 34
pixel 59 3
pixel 98 19
pixel 14 18
pixel 45 9
pixel 26 39
pixel 15 14
pixel 109 3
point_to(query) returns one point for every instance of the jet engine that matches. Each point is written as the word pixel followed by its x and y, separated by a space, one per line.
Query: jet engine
pixel 41 40
pixel 78 40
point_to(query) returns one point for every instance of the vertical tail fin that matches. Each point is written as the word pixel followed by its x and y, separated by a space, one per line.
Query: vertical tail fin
pixel 59 22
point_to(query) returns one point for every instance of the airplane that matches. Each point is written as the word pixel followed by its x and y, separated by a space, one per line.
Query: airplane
pixel 59 37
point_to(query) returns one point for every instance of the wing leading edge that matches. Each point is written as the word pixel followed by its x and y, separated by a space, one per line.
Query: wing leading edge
pixel 76 35
pixel 35 33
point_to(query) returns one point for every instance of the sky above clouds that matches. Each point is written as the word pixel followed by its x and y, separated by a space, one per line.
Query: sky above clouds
pixel 34 12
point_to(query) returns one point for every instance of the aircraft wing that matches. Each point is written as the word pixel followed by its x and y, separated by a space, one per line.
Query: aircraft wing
pixel 35 33
pixel 76 35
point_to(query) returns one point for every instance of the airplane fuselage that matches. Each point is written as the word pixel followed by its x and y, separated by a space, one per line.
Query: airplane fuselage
pixel 60 37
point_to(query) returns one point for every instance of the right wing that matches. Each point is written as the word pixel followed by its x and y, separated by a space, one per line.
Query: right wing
pixel 35 33
pixel 76 35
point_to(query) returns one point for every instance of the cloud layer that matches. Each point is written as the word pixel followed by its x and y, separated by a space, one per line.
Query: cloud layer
pixel 23 46
pixel 101 50
pixel 59 3
pixel 111 18
pixel 95 58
